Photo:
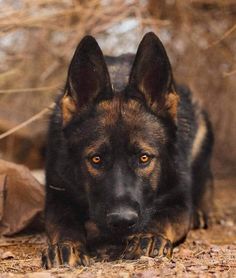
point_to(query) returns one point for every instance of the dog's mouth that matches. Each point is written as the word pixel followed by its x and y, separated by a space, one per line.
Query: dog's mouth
pixel 120 230
pixel 117 231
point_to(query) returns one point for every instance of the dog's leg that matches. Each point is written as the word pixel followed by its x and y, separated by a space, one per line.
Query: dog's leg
pixel 66 235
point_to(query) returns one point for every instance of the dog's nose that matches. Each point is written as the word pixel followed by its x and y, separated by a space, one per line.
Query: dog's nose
pixel 120 220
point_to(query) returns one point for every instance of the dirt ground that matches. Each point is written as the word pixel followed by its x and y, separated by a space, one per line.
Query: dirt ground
pixel 205 253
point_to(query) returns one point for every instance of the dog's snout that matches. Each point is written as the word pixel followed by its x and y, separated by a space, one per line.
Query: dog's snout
pixel 119 220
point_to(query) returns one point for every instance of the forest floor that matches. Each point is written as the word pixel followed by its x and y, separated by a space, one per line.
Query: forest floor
pixel 205 253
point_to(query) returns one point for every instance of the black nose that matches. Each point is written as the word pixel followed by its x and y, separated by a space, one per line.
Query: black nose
pixel 120 220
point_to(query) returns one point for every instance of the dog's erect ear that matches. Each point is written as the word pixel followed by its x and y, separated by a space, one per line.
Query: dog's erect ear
pixel 151 75
pixel 88 78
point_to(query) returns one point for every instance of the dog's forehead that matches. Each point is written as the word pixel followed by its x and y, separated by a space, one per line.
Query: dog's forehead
pixel 123 111
pixel 129 117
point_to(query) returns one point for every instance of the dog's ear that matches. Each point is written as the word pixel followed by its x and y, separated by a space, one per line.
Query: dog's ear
pixel 88 79
pixel 151 76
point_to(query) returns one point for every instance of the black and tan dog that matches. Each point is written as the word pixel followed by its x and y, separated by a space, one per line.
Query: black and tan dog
pixel 128 158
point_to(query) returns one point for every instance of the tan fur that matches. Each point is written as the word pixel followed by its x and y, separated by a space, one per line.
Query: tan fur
pixel 199 137
pixel 111 111
pixel 149 170
pixel 53 231
pixel 171 105
pixel 144 146
pixel 175 231
pixel 68 107
pixel 172 101
pixel 172 230
pixel 92 149
pixel 92 230
pixel 132 105
pixel 92 170
pixel 154 177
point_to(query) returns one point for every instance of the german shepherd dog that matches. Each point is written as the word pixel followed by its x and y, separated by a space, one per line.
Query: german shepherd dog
pixel 128 160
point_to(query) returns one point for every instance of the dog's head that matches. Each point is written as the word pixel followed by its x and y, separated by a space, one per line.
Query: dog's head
pixel 120 141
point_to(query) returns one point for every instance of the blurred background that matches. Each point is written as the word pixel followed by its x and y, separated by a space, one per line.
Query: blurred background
pixel 38 38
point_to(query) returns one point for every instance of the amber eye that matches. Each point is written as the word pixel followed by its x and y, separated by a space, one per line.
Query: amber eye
pixel 144 158
pixel 96 159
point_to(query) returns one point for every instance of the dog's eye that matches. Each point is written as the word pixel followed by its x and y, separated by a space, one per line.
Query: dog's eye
pixel 96 159
pixel 144 158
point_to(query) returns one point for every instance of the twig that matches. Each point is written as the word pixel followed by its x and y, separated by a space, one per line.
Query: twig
pixel 25 90
pixel 229 73
pixel 199 253
pixel 27 122
pixel 21 260
pixel 8 73
pixel 226 34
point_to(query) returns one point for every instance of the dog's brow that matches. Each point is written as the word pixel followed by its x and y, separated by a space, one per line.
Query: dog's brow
pixel 95 146
pixel 144 146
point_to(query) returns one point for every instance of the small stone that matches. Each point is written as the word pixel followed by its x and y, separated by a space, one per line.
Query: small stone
pixel 203 267
pixel 7 255
pixel 229 223
pixel 215 249
pixel 144 258
pixel 180 267
pixel 124 275
pixel 176 250
pixel 222 222
pixel 129 267
pixel 39 275
pixel 186 252
pixel 165 260
pixel 151 262
pixel 99 273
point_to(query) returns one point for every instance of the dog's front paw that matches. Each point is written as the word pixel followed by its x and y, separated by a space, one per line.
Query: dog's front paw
pixel 151 245
pixel 64 253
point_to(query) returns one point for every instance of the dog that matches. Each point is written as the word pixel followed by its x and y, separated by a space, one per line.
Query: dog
pixel 128 158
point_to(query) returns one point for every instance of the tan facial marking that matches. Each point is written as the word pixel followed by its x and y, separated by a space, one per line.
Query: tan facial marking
pixel 131 111
pixel 151 172
pixel 145 147
pixel 96 159
pixel 92 149
pixel 154 178
pixel 92 170
pixel 110 110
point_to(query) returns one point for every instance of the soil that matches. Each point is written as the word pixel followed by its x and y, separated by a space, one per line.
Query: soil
pixel 205 253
